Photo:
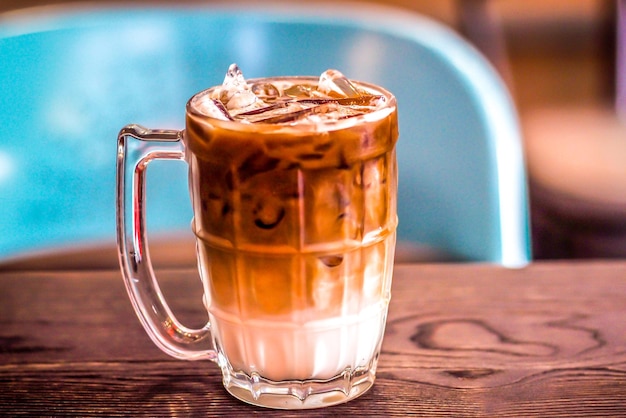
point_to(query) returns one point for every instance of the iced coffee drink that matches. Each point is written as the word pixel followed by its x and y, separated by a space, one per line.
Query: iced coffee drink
pixel 293 185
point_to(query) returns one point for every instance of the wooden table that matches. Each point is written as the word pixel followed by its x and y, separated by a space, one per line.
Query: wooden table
pixel 462 340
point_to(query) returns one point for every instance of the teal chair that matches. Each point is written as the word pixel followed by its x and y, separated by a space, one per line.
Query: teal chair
pixel 71 78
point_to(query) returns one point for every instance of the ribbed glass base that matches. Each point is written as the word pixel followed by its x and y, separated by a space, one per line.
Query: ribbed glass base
pixel 307 394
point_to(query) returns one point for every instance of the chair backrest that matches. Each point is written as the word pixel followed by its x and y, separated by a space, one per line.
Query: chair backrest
pixel 71 78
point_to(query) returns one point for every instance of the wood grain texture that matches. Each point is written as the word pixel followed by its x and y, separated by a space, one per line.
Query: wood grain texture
pixel 462 340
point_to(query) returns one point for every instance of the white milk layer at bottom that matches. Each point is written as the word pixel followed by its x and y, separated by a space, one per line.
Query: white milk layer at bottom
pixel 283 350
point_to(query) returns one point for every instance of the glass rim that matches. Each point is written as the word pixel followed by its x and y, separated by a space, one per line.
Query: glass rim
pixel 375 115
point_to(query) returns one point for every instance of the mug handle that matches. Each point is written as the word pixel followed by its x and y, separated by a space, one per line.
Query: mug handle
pixel 136 148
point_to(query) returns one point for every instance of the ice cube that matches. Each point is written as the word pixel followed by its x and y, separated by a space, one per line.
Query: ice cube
pixel 297 112
pixel 268 213
pixel 212 108
pixel 234 79
pixel 235 92
pixel 335 84
pixel 265 91
pixel 241 100
pixel 298 91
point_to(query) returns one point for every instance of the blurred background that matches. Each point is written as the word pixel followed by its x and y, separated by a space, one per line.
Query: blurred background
pixel 552 52
pixel 559 60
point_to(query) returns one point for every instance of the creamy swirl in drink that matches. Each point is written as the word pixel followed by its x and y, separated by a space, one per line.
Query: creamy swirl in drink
pixel 293 183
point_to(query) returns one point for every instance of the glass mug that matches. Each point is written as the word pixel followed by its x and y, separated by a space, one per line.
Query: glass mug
pixel 293 184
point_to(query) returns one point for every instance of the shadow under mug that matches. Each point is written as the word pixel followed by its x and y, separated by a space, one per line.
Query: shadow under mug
pixel 295 236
